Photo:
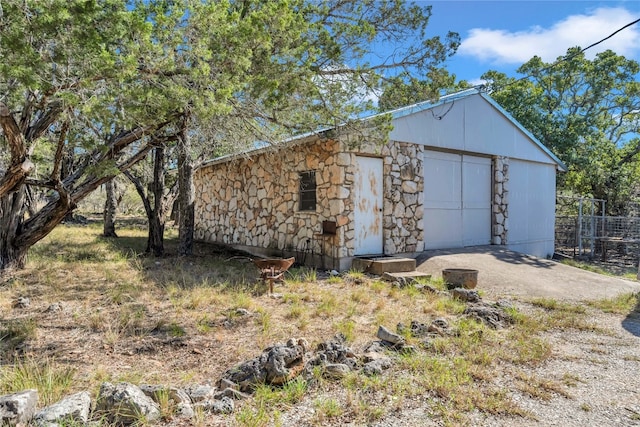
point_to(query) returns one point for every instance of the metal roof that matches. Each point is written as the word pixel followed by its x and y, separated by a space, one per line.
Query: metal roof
pixel 396 114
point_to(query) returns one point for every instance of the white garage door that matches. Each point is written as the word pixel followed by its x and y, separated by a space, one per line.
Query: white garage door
pixel 457 200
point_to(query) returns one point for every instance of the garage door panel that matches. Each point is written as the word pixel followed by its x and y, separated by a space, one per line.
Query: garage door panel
pixel 457 200
pixel 442 226
pixel 476 200
pixel 443 181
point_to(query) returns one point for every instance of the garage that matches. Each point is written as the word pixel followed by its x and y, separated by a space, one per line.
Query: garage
pixel 457 200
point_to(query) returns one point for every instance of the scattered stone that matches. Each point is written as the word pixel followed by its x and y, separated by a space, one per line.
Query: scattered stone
pixel 125 403
pixel 375 347
pixel 22 302
pixel 334 273
pixel 386 335
pixel 335 351
pixel 492 316
pixel 222 406
pixel 371 356
pixel 200 392
pixel 185 410
pixel 173 393
pixel 467 295
pixel 231 393
pixel 504 304
pixel 440 323
pixel 18 408
pixel 275 365
pixel 74 409
pixel 243 312
pixel 376 366
pixel 225 384
pixel 335 371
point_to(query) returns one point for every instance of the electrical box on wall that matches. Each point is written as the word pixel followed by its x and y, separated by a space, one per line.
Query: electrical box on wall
pixel 329 227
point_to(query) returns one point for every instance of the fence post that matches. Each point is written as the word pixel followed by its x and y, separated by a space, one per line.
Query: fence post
pixel 580 226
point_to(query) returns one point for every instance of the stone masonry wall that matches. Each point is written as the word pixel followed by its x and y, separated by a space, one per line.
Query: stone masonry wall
pixel 403 194
pixel 500 228
pixel 254 201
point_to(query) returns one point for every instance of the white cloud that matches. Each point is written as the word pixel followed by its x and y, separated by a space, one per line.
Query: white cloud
pixel 506 47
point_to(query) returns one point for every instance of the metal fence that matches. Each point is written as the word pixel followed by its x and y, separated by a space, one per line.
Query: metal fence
pixel 582 230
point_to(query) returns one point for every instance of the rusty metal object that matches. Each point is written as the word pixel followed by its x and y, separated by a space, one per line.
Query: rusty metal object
pixel 272 269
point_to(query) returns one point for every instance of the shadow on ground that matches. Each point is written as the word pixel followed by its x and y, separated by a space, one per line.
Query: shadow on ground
pixel 631 322
pixel 504 255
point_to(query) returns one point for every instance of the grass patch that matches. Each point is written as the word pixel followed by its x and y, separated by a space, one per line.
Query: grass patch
pixel 130 313
pixel 52 381
pixel 622 304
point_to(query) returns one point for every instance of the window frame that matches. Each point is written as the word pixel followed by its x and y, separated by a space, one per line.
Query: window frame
pixel 307 191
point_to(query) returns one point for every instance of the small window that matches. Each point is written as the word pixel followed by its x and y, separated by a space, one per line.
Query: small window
pixel 308 191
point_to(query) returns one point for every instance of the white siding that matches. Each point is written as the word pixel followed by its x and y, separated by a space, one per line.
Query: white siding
pixel 531 208
pixel 470 125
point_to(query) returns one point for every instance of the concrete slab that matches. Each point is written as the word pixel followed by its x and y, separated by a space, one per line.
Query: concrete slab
pixel 382 265
pixel 503 273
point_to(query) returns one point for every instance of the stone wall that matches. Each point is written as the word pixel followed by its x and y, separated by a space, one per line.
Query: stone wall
pixel 500 217
pixel 253 201
pixel 403 194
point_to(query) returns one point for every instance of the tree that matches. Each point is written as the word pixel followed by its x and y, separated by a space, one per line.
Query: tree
pixel 400 92
pixel 95 83
pixel 155 196
pixel 586 112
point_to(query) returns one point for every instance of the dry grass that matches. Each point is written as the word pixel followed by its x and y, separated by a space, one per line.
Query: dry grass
pixel 178 321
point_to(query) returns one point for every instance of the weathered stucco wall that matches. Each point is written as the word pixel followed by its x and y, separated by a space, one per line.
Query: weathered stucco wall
pixel 253 202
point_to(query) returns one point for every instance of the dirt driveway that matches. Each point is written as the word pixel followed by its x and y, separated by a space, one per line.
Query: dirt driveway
pixel 504 273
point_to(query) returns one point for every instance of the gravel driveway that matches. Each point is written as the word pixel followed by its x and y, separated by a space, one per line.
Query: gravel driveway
pixel 604 362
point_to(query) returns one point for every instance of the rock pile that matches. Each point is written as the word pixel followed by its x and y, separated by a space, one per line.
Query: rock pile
pixel 126 404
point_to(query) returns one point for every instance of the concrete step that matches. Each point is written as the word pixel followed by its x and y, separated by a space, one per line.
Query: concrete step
pixel 405 277
pixel 381 265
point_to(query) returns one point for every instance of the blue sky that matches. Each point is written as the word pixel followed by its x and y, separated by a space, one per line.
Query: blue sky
pixel 502 35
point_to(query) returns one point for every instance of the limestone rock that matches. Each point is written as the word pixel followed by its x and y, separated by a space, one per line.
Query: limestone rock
pixel 173 393
pixel 492 316
pixel 74 408
pixel 335 370
pixel 275 365
pixel 18 408
pixel 221 406
pixel 386 335
pixel 200 392
pixel 231 393
pixel 125 403
pixel 467 295
pixel 375 367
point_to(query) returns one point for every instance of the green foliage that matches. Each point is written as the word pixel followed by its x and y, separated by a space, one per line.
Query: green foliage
pixel 99 83
pixel 586 112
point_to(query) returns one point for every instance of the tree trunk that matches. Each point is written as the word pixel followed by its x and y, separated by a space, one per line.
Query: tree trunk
pixel 156 213
pixel 110 210
pixel 186 191
pixel 157 220
pixel 13 253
